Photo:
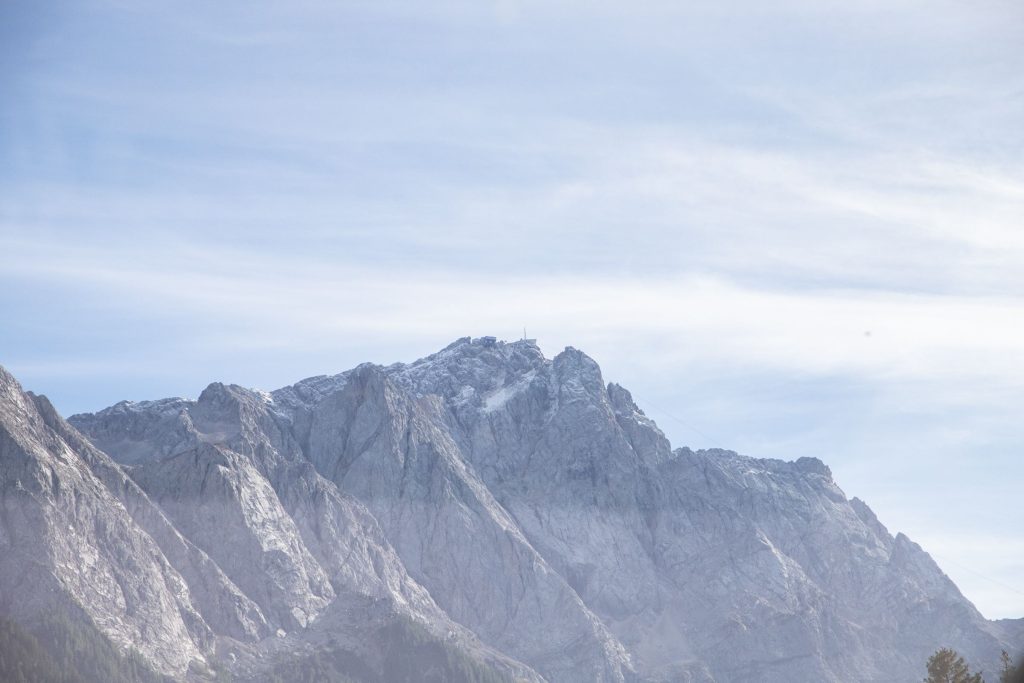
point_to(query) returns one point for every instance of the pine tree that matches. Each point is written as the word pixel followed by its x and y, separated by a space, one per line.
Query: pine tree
pixel 946 666
pixel 1010 673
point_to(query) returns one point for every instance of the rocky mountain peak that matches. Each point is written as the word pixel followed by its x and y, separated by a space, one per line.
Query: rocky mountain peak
pixel 578 373
pixel 516 507
pixel 8 383
pixel 813 466
pixel 469 368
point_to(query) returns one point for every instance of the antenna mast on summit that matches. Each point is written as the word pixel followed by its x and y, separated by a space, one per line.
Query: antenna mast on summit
pixel 524 333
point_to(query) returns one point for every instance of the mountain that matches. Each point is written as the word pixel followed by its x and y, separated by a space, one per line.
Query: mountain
pixel 484 513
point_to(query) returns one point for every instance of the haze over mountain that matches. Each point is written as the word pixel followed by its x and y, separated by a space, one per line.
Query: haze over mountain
pixel 484 513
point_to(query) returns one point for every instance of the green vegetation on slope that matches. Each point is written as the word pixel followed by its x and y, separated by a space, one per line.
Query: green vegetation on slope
pixel 409 654
pixel 58 650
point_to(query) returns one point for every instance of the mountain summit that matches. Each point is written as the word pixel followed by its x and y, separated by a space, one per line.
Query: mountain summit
pixel 484 513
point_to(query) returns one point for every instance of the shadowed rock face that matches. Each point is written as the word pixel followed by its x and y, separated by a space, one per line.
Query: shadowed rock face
pixel 518 507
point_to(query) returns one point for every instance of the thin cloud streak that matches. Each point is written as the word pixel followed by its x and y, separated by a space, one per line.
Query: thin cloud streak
pixel 817 217
pixel 885 335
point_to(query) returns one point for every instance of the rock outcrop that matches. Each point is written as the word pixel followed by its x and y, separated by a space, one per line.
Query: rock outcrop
pixel 516 508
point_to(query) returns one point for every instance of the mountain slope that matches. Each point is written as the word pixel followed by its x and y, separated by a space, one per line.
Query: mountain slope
pixel 499 513
pixel 80 538
pixel 364 441
pixel 701 562
pixel 66 542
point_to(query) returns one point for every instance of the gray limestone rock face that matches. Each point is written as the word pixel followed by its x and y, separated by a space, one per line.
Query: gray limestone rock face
pixel 518 507
pixel 219 501
pixel 68 541
pixel 739 568
pixel 237 483
pixel 393 452
pixel 222 604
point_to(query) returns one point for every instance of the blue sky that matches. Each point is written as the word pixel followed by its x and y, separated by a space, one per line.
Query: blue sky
pixel 789 231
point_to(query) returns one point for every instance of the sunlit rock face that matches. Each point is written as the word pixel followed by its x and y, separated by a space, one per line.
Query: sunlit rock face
pixel 518 507
pixel 69 540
